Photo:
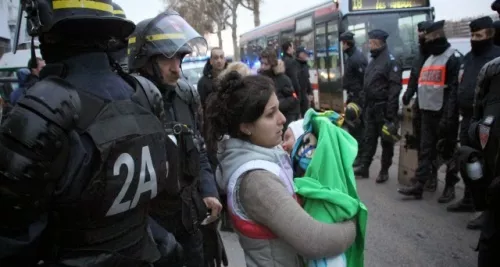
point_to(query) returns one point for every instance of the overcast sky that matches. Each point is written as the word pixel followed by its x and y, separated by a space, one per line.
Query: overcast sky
pixel 272 10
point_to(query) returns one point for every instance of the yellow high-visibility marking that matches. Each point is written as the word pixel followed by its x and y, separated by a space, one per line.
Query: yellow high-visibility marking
pixel 118 12
pixel 159 37
pixel 85 4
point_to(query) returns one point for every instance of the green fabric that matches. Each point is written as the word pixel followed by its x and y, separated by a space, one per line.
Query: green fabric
pixel 330 194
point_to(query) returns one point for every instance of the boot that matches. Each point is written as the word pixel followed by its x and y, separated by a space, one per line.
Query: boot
pixel 383 176
pixel 431 184
pixel 362 171
pixel 416 190
pixel 464 205
pixel 356 163
pixel 477 222
pixel 448 194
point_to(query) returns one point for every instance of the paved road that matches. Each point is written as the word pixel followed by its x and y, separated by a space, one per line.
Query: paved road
pixel 402 232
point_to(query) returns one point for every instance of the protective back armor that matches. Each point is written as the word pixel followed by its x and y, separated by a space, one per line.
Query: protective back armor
pixel 108 212
pixel 34 145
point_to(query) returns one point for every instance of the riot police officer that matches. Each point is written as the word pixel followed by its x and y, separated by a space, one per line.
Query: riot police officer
pixel 382 84
pixel 437 97
pixel 482 51
pixel 82 153
pixel 120 46
pixel 353 83
pixel 411 91
pixel 157 48
pixel 484 182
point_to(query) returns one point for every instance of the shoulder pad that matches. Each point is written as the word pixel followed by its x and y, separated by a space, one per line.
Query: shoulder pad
pixel 187 92
pixel 54 99
pixel 148 95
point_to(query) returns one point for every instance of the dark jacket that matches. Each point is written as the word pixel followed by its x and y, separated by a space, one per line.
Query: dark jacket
pixel 205 86
pixel 417 65
pixel 292 71
pixel 303 76
pixel 354 75
pixel 472 65
pixel 289 102
pixel 305 85
pixel 382 83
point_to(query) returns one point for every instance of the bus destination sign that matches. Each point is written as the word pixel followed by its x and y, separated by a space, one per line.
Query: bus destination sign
pixel 359 5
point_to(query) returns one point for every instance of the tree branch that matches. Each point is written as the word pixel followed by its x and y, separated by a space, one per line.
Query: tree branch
pixel 247 6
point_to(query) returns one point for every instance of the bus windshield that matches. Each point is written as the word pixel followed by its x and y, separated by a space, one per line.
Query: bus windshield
pixel 401 27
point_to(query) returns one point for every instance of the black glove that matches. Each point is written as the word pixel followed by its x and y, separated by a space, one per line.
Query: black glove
pixel 406 99
pixel 170 250
pixel 213 247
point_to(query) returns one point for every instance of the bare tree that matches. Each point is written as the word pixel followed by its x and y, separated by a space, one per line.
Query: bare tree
pixel 232 7
pixel 219 13
pixel 254 6
pixel 193 11
pixel 204 16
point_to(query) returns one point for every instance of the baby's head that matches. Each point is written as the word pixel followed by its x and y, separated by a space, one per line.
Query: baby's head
pixel 293 132
pixel 300 145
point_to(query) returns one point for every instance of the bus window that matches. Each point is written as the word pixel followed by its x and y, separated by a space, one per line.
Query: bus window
pixel 251 54
pixel 320 55
pixel 273 42
pixel 333 51
pixel 401 27
pixel 306 41
pixel 261 44
pixel 285 36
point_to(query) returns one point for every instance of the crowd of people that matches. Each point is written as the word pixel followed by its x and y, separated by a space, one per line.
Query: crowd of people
pixel 109 159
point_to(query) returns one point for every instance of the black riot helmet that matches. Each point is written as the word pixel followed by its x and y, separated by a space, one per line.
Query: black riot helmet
pixel 72 17
pixel 168 35
pixel 118 11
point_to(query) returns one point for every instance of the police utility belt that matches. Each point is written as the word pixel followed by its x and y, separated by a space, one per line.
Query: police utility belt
pixel 188 170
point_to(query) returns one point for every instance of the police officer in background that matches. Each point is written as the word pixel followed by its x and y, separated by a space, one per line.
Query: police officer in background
pixel 382 85
pixel 157 48
pixel 482 51
pixel 68 196
pixel 411 91
pixel 437 99
pixel 484 182
pixel 353 83
pixel 120 46
pixel 412 88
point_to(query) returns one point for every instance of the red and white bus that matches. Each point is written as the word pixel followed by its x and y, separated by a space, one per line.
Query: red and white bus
pixel 318 29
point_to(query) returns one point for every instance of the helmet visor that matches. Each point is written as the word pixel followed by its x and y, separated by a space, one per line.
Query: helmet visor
pixel 172 35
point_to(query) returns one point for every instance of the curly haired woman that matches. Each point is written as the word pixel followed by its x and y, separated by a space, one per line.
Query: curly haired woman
pixel 255 173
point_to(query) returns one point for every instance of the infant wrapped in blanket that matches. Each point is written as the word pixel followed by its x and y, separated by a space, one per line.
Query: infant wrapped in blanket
pixel 322 157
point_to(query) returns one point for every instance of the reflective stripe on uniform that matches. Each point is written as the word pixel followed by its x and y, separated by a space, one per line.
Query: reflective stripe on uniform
pixel 85 4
